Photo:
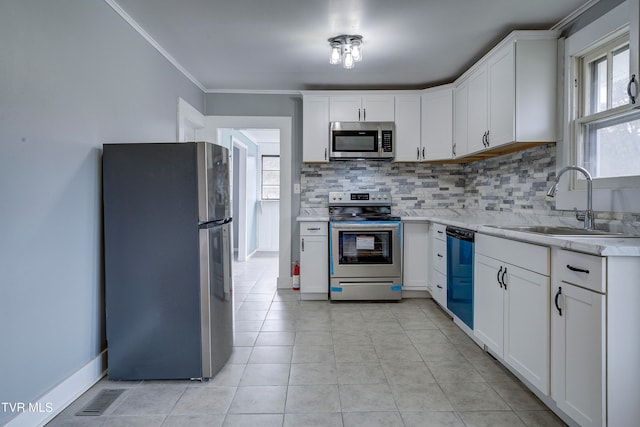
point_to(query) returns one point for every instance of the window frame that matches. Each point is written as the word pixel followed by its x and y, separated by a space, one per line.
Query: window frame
pixel 581 92
pixel 262 170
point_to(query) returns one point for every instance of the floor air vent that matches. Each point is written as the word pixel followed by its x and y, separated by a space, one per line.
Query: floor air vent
pixel 101 402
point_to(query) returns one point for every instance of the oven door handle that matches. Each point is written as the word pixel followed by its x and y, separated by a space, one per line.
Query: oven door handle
pixel 365 226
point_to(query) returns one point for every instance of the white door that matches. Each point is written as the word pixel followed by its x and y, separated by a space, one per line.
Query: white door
pixel 526 346
pixel 415 257
pixel 502 96
pixel 345 108
pixel 315 129
pixel 437 125
pixel 488 313
pixel 378 108
pixel 407 137
pixel 477 110
pixel 578 353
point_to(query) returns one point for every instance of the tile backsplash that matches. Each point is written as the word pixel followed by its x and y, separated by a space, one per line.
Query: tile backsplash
pixel 509 183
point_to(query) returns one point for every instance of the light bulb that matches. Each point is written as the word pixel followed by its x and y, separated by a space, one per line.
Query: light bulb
pixel 348 60
pixel 335 54
pixel 356 51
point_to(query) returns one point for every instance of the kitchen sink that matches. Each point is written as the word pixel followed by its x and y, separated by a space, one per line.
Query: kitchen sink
pixel 559 231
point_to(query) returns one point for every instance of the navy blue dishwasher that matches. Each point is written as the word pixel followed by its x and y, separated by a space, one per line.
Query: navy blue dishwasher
pixel 460 273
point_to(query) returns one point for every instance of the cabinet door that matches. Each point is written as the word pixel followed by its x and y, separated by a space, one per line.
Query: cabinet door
pixel 315 129
pixel 488 312
pixel 314 266
pixel 378 108
pixel 634 48
pixel 477 110
pixel 502 109
pixel 460 100
pixel 437 125
pixel 345 108
pixel 407 137
pixel 415 256
pixel 577 356
pixel 526 339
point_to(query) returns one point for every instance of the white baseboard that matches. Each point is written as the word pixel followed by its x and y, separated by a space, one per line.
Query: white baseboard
pixel 61 396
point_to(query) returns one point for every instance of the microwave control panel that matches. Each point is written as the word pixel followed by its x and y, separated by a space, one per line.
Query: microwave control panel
pixel 387 141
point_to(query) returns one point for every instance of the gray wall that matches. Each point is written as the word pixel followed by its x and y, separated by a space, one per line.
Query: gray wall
pixel 275 105
pixel 73 75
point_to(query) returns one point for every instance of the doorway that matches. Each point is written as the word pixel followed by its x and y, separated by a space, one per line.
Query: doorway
pixel 285 217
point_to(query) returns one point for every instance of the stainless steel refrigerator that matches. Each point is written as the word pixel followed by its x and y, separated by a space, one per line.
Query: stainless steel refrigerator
pixel 168 279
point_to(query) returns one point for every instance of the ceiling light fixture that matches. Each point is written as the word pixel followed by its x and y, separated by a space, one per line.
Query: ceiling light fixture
pixel 346 49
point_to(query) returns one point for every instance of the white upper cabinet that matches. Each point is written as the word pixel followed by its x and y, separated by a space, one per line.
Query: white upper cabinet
pixel 437 124
pixel 361 108
pixel 460 100
pixel 511 93
pixel 477 110
pixel 315 129
pixel 407 142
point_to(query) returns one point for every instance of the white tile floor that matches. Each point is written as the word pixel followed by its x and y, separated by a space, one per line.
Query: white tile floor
pixel 300 363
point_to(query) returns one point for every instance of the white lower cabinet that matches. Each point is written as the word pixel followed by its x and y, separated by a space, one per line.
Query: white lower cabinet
pixel 438 277
pixel 415 246
pixel 314 261
pixel 577 353
pixel 511 305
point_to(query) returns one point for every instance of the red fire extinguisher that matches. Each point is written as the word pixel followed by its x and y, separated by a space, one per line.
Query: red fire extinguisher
pixel 296 276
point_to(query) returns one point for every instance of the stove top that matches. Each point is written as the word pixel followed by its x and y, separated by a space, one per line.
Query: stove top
pixel 360 206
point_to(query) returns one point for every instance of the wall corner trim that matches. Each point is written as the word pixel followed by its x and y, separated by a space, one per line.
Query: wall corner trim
pixel 64 393
pixel 120 11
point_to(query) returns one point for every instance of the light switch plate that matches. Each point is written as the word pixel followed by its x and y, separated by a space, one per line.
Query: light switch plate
pixel 296 188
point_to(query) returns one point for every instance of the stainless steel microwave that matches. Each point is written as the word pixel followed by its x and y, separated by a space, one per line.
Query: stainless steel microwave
pixel 362 140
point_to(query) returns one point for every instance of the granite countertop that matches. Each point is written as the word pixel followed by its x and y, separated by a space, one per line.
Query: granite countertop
pixel 481 221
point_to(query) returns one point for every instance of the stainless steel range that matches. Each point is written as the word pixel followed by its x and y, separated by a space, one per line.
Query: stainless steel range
pixel 365 257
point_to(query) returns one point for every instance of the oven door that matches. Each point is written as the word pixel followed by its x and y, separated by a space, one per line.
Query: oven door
pixel 362 249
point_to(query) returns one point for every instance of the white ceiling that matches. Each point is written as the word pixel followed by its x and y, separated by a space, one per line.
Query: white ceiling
pixel 281 45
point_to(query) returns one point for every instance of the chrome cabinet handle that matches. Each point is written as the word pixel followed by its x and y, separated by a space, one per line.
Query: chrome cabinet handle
pixel 325 153
pixel 364 110
pixel 484 139
pixel 488 139
pixel 313 228
pixel 418 153
pixel 302 248
pixel 453 150
pixel 439 287
pixel 498 277
pixel 358 114
pixel 423 153
pixel 440 256
pixel 504 283
pixel 635 83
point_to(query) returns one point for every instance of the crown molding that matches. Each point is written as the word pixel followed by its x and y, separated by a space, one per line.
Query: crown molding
pixel 255 91
pixel 120 11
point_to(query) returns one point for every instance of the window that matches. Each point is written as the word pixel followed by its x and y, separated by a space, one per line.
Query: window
pixel 607 130
pixel 270 177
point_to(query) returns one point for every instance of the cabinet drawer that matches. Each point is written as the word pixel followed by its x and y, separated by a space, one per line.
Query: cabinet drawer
pixel 438 231
pixel 439 288
pixel 313 228
pixel 587 271
pixel 439 256
pixel 525 255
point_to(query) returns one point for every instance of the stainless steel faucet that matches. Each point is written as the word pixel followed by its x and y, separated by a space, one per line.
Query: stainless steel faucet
pixel 589 220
